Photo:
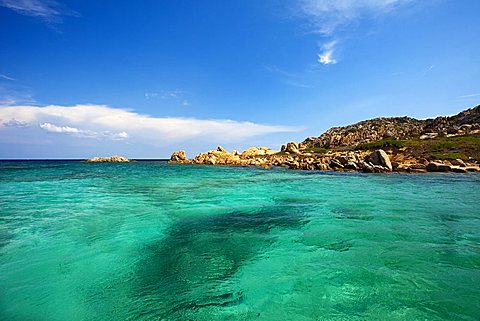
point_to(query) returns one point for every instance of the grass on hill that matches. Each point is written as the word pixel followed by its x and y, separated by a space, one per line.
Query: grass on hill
pixel 384 143
pixel 462 147
pixel 316 150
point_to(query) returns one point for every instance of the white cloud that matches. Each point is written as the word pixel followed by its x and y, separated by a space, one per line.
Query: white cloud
pixel 48 10
pixel 469 96
pixel 59 129
pixel 326 57
pixel 103 122
pixel 15 123
pixel 151 95
pixel 11 97
pixel 104 135
pixel 328 15
pixel 175 96
pixel 7 77
pixel 122 135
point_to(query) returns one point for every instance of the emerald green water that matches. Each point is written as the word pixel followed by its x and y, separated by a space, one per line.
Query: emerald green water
pixel 152 241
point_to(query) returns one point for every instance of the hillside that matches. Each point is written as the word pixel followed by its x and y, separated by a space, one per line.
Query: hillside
pixel 397 128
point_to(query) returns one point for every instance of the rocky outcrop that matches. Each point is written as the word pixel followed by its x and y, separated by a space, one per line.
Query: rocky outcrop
pixel 111 159
pixel 395 128
pixel 379 157
pixel 179 156
pixel 337 149
pixel 378 161
pixel 442 167
pixel 292 148
pixel 438 167
pixel 256 156
pixel 365 132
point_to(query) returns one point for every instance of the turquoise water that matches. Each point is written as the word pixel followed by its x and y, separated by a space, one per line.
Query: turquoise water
pixel 152 241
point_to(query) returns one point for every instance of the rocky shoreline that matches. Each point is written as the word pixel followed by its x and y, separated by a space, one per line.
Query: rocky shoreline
pixel 377 161
pixel 380 145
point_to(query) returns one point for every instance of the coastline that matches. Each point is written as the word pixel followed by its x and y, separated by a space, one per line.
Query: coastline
pixel 377 161
pixel 379 145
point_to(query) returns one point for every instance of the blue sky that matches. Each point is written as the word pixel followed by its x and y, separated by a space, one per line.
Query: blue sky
pixel 82 78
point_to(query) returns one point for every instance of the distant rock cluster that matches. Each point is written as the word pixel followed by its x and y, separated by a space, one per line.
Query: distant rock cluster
pixel 111 159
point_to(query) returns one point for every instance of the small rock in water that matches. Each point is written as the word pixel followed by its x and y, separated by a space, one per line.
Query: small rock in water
pixel 111 159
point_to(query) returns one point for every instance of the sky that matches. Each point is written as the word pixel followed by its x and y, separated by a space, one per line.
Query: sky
pixel 84 78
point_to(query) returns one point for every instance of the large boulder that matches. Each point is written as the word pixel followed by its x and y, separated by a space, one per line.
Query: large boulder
pixel 438 167
pixel 335 163
pixel 458 162
pixel 250 152
pixel 379 157
pixel 179 156
pixel 292 148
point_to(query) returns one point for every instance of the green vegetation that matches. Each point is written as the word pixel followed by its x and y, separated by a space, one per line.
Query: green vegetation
pixel 467 142
pixel 441 147
pixel 316 150
pixel 453 147
pixel 384 143
pixel 449 156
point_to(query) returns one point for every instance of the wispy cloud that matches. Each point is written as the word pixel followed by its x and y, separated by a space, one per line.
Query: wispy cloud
pixel 428 69
pixel 177 96
pixel 15 123
pixel 469 96
pixel 330 18
pixel 151 95
pixel 9 96
pixel 327 16
pixel 7 77
pixel 289 78
pixel 49 11
pixel 326 56
pixel 103 122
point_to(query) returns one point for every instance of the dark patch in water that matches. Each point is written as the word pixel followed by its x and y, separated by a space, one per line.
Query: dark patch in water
pixel 192 268
pixel 5 237
pixel 352 213
pixel 341 246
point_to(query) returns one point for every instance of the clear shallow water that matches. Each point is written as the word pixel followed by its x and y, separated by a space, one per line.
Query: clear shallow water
pixel 147 240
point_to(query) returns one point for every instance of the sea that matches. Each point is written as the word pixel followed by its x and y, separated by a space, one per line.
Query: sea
pixel 156 241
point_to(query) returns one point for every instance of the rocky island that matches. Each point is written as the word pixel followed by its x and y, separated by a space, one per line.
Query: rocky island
pixel 111 159
pixel 399 144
